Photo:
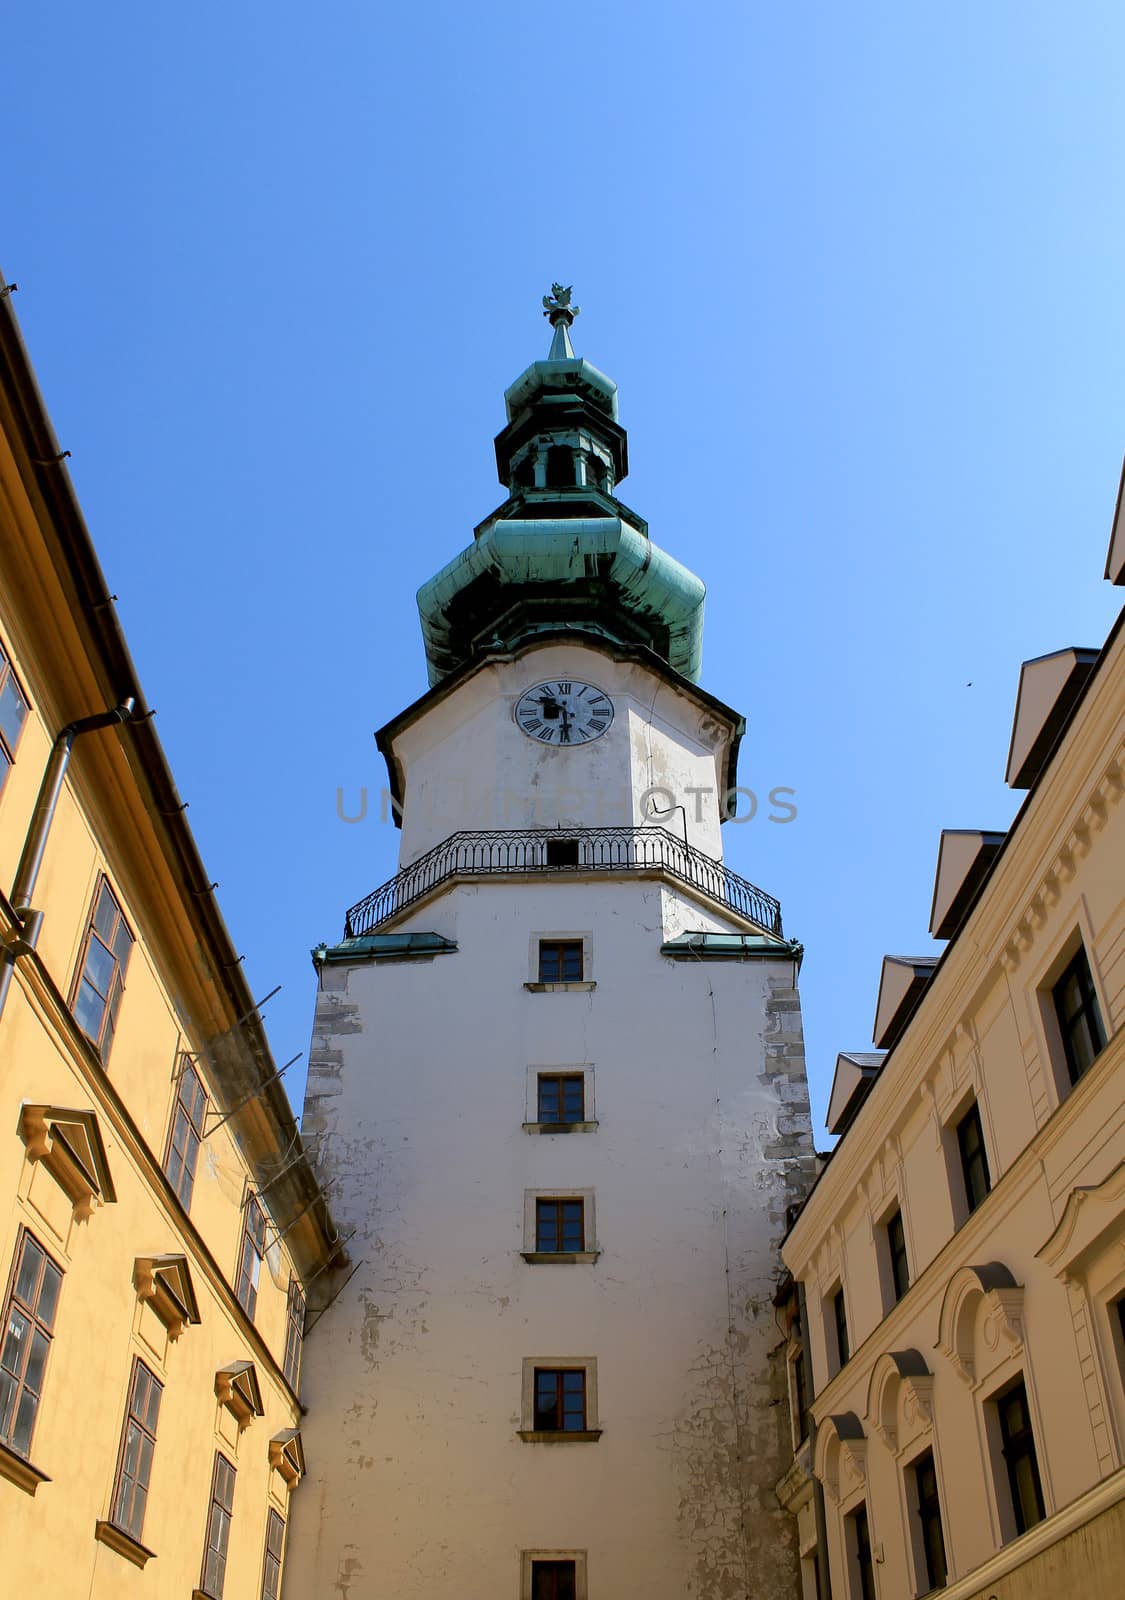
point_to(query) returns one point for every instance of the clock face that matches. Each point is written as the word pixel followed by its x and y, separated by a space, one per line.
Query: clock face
pixel 564 711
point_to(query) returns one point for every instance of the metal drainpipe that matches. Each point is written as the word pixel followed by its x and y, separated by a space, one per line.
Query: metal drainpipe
pixel 824 1576
pixel 27 936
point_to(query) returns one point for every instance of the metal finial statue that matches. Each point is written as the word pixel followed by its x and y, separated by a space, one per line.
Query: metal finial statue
pixel 558 306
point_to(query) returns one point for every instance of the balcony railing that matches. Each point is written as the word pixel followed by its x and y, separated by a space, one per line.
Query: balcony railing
pixel 555 853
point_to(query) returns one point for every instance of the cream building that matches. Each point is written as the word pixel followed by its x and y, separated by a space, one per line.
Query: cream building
pixel 956 1298
pixel 557 1085
pixel 160 1227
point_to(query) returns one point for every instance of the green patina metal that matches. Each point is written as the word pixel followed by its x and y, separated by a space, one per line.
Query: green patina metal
pixel 731 947
pixel 562 550
pixel 382 947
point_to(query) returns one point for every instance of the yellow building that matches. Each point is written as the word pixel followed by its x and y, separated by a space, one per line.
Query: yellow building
pixel 956 1297
pixel 160 1228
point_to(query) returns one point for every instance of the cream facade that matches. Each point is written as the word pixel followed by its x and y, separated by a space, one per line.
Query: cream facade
pixel 957 1294
pixel 156 1253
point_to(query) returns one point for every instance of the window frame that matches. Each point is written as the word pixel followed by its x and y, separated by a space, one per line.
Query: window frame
pixel 529 1559
pixel 1015 1449
pixel 533 1253
pixel 122 1477
pixel 186 1065
pixel 565 1390
pixel 562 1078
pixel 1089 1011
pixel 971 1113
pixel 30 1311
pixel 273 1519
pixel 215 1504
pixel 562 948
pixel 926 1514
pixel 111 1001
pixel 860 1553
pixel 247 1279
pixel 560 1205
pixel 836 1306
pixel 898 1256
pixel 529 1430
pixel 294 1332
pixel 8 750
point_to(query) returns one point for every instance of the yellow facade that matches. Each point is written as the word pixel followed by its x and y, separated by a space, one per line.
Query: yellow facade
pixel 85 1127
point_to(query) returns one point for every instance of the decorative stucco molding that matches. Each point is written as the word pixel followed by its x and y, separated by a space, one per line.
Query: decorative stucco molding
pixel 287 1456
pixel 69 1144
pixel 237 1388
pixel 841 1455
pixel 164 1282
pixel 899 1377
pixel 993 1285
pixel 1092 1212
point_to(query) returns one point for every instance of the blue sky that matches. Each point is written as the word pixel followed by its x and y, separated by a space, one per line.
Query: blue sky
pixel 856 270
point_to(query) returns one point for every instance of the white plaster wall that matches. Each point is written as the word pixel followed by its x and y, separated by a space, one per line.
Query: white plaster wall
pixel 468 765
pixel 418 1484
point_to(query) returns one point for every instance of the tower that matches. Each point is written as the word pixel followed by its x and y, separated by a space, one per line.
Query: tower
pixel 556 1087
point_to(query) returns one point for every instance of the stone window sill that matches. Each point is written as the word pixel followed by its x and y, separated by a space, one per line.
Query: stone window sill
pixel 558 1258
pixel 124 1543
pixel 574 1436
pixel 559 1127
pixel 559 988
pixel 18 1470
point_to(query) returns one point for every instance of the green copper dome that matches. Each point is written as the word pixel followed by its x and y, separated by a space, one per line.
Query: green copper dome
pixel 562 550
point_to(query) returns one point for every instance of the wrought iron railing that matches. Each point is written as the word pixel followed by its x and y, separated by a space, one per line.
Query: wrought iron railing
pixel 555 852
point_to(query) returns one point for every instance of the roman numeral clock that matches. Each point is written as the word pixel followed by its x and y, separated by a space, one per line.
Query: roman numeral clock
pixel 564 712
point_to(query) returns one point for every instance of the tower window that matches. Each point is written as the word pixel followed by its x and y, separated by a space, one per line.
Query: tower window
pixel 562 1097
pixel 595 471
pixel 524 475
pixel 560 961
pixel 560 1226
pixel 560 1400
pixel 562 852
pixel 560 467
pixel 1080 1019
pixel 553 1580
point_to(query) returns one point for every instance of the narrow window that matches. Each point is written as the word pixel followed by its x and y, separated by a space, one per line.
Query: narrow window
pixel 562 1097
pixel 859 1538
pixel 560 961
pixel 250 1256
pixel 275 1542
pixel 928 1509
pixel 218 1528
pixel 800 1397
pixel 138 1442
pixel 560 467
pixel 13 713
pixel 974 1157
pixel 560 1400
pixel 29 1322
pixel 840 1323
pixel 186 1132
pixel 553 1580
pixel 294 1332
pixel 560 1225
pixel 896 1251
pixel 101 971
pixel 562 852
pixel 1080 1020
pixel 1018 1446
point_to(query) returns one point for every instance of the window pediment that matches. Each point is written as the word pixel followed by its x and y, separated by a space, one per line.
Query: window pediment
pixel 900 1396
pixel 841 1455
pixel 287 1456
pixel 164 1282
pixel 1091 1214
pixel 237 1388
pixel 69 1144
pixel 982 1305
